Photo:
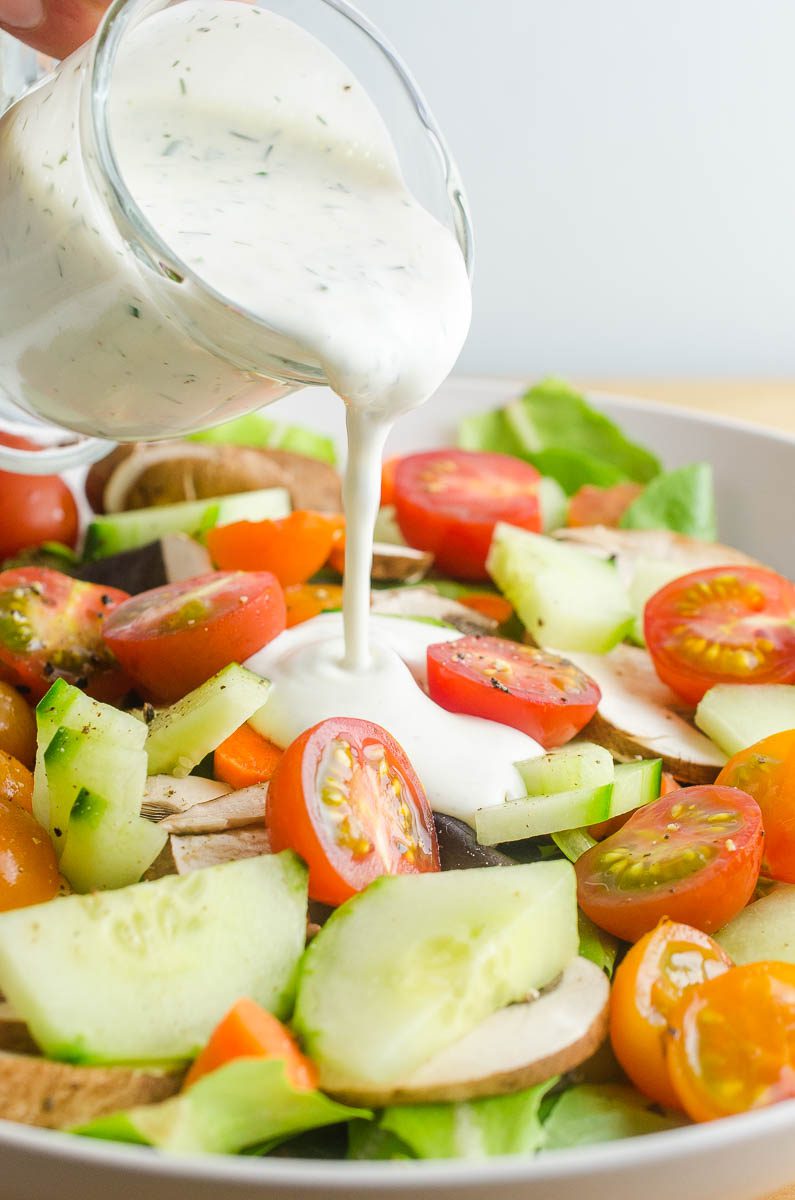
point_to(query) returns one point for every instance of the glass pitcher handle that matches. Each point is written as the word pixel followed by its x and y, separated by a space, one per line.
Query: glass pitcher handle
pixel 49 459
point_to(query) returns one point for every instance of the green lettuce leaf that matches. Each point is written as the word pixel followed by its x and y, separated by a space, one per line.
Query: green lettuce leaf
pixel 471 1129
pixel 682 500
pixel 600 947
pixel 368 1141
pixel 261 433
pixel 601 1113
pixel 553 427
pixel 248 1102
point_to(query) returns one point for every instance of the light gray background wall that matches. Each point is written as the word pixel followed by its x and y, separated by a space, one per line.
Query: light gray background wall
pixel 631 170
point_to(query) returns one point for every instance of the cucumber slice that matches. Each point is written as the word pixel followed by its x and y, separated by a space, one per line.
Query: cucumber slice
pixel 573 843
pixel 245 1103
pixel 736 716
pixel 65 706
pixel 564 596
pixel 145 973
pixel 533 816
pixel 107 846
pixel 73 761
pixel 180 736
pixel 764 931
pixel 578 766
pixel 112 533
pixel 553 503
pixel 416 961
pixel 635 784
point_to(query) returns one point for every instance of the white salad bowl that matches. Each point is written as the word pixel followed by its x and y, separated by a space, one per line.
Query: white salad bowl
pixel 737 1159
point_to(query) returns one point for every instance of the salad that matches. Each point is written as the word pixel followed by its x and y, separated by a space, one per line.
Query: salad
pixel 225 932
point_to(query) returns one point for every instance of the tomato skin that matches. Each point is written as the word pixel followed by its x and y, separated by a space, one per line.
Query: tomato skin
pixel 28 865
pixel 448 502
pixel 647 986
pixel 51 626
pixel 766 771
pixel 307 600
pixel 16 782
pixel 388 481
pixel 17 725
pixel 593 505
pixel 693 855
pixel 730 624
pixel 173 638
pixel 292 548
pixel 33 508
pixel 545 696
pixel 731 1042
pixel 354 825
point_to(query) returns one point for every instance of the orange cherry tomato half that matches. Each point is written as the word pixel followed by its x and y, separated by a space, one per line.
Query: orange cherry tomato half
pixel 173 638
pixel 731 1043
pixel 646 989
pixel 693 855
pixel 292 548
pixel 28 866
pixel 16 782
pixel 346 798
pixel 722 625
pixel 766 771
pixel 17 725
pixel 51 626
pixel 307 600
pixel 388 481
pixel 33 508
pixel 545 696
pixel 593 505
pixel 448 502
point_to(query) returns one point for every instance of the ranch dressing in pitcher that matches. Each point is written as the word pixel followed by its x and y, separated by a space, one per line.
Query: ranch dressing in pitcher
pixel 262 163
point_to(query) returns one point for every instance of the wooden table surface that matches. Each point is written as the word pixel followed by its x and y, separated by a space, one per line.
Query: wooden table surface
pixel 764 402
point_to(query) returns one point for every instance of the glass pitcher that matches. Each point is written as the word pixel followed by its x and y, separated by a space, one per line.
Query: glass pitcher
pixel 103 330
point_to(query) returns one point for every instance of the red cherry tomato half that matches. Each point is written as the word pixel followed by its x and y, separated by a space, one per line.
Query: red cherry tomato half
pixel 51 626
pixel 346 798
pixel 693 855
pixel 722 625
pixel 545 696
pixel 33 508
pixel 448 502
pixel 173 638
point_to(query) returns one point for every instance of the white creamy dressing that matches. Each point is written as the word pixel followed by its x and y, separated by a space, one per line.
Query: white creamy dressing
pixel 464 763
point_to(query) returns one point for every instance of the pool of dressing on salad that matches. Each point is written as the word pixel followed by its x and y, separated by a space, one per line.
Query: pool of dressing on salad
pixel 276 182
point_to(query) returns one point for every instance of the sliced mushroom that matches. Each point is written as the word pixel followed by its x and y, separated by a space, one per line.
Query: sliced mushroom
pixel 142 475
pixel 512 1049
pixel 425 602
pixel 627 546
pixel 35 1091
pixel 192 852
pixel 172 558
pixel 165 795
pixel 14 1035
pixel 639 716
pixel 459 849
pixel 232 811
pixel 399 564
